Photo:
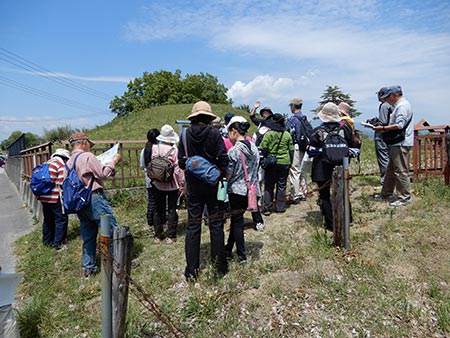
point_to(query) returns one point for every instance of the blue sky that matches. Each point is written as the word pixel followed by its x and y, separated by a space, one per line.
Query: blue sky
pixel 269 51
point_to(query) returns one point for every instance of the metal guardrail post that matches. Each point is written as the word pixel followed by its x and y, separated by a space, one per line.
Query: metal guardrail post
pixel 105 239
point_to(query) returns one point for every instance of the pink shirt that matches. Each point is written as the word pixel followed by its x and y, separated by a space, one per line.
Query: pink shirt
pixel 90 169
pixel 178 174
pixel 228 143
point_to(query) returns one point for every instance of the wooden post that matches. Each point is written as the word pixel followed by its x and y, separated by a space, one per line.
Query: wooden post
pixel 105 238
pixel 337 202
pixel 123 249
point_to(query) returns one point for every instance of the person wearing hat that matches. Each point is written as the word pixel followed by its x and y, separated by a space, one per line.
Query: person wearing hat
pixel 92 173
pixel 397 171
pixel 276 143
pixel 322 170
pixel 224 131
pixel 297 176
pixel 381 148
pixel 54 227
pixel 144 160
pixel 166 193
pixel 203 140
pixel 266 114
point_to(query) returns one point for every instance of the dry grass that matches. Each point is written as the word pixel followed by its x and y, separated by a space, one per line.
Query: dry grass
pixel 393 282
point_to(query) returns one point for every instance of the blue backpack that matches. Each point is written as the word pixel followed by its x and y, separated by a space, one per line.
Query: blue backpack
pixel 76 195
pixel 41 183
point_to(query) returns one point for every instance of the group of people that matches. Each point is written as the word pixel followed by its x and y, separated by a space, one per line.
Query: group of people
pixel 274 153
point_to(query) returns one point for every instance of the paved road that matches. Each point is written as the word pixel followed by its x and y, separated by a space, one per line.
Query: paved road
pixel 15 220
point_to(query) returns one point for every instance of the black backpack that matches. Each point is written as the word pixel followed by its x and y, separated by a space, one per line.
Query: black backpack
pixel 160 168
pixel 335 146
pixel 306 130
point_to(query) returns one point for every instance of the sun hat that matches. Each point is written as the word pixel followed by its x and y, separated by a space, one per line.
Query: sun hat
pixel 61 153
pixel 277 123
pixel 296 101
pixel 228 117
pixel 168 135
pixel 236 119
pixel 201 108
pixel 75 137
pixel 344 109
pixel 266 109
pixel 329 113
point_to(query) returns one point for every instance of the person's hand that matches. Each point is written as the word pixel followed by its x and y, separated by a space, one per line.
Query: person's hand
pixel 116 158
pixel 257 105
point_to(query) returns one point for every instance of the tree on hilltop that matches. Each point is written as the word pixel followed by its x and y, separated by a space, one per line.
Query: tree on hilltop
pixel 164 87
pixel 335 95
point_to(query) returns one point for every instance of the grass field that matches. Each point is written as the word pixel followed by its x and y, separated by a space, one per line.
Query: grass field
pixel 392 283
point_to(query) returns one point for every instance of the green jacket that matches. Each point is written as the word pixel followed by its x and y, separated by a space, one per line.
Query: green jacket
pixel 270 142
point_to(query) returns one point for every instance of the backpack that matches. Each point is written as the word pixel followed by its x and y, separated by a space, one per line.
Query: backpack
pixel 76 195
pixel 41 182
pixel 200 167
pixel 160 167
pixel 356 141
pixel 306 130
pixel 335 146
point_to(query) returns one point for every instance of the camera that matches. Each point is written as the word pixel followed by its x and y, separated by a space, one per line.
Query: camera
pixel 375 121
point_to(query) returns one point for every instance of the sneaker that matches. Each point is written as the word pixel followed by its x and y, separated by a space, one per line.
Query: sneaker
pixel 88 273
pixel 389 198
pixel 156 240
pixel 170 240
pixel 260 226
pixel 266 212
pixel 400 203
pixel 243 261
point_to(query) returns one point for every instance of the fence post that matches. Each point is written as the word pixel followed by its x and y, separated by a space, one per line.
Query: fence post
pixel 346 204
pixel 123 249
pixel 337 202
pixel 105 239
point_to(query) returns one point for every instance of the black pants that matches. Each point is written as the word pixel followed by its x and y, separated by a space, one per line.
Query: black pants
pixel 165 200
pixel 238 205
pixel 325 203
pixel 151 207
pixel 197 197
pixel 276 175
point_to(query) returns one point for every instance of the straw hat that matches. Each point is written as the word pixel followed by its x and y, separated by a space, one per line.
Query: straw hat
pixel 168 135
pixel 201 108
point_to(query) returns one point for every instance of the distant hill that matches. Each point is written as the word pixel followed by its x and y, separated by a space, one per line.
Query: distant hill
pixel 135 125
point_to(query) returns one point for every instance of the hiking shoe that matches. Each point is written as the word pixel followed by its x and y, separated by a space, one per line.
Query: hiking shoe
pixel 266 212
pixel 400 203
pixel 156 240
pixel 260 226
pixel 88 273
pixel 243 261
pixel 389 198
pixel 170 240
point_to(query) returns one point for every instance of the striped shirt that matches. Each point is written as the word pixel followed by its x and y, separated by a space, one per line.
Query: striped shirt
pixel 56 170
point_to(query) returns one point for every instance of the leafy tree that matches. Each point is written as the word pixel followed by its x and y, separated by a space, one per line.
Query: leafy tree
pixel 163 87
pixel 59 133
pixel 30 139
pixel 335 95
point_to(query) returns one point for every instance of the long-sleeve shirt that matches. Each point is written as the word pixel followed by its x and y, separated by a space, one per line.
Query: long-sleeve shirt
pixel 177 180
pixel 90 170
pixel 294 123
pixel 56 170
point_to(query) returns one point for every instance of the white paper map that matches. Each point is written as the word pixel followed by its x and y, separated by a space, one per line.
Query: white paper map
pixel 108 155
pixel 8 284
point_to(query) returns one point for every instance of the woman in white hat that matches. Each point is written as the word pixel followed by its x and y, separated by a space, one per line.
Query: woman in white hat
pixel 322 167
pixel 166 192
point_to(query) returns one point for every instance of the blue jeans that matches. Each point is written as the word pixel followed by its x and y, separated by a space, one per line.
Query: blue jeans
pixel 54 228
pixel 89 224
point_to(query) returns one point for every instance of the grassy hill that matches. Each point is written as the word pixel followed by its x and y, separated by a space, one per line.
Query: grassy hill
pixel 136 125
pixel 393 283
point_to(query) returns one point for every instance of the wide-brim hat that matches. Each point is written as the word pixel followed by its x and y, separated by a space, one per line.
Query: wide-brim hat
pixel 329 113
pixel 168 135
pixel 277 123
pixel 61 153
pixel 201 108
pixel 266 109
pixel 344 109
pixel 80 137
